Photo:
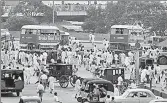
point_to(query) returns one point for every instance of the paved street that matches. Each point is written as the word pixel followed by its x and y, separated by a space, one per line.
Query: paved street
pixel 66 95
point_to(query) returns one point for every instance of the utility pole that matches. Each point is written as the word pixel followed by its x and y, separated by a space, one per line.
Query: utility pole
pixel 137 45
pixel 53 12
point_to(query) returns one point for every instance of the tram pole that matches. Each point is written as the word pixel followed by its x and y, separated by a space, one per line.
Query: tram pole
pixel 138 46
pixel 53 12
pixel 137 67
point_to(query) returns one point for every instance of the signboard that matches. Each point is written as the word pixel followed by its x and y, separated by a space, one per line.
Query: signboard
pixel 48 39
pixel 24 39
pixel 119 38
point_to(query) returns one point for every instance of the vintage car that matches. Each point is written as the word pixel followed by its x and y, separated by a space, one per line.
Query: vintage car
pixel 87 94
pixel 136 96
pixel 30 99
pixel 159 101
pixel 12 80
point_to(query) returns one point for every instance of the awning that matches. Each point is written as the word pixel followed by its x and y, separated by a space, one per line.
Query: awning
pixel 162 44
pixel 54 44
pixel 23 45
pixel 132 44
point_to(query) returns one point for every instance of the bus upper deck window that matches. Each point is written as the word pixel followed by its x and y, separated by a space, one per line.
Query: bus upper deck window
pixel 34 31
pixel 38 32
pixel 23 31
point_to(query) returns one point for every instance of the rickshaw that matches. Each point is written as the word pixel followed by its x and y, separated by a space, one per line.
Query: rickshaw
pixel 63 73
pixel 83 85
pixel 112 74
pixel 30 99
pixel 88 96
pixel 12 80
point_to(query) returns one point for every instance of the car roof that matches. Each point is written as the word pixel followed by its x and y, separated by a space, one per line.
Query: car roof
pixel 60 64
pixel 99 81
pixel 30 98
pixel 88 79
pixel 138 89
pixel 160 100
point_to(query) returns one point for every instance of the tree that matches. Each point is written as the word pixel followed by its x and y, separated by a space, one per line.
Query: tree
pixel 147 14
pixel 34 7
pixel 14 23
pixel 1 7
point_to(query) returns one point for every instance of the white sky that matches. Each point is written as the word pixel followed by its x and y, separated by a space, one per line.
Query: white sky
pixel 75 2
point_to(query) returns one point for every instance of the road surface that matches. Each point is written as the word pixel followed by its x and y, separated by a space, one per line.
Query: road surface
pixel 66 95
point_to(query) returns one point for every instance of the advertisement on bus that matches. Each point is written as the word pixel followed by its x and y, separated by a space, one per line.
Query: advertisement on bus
pixel 48 39
pixel 119 38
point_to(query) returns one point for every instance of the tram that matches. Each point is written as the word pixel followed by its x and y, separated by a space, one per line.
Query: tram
pixel 42 37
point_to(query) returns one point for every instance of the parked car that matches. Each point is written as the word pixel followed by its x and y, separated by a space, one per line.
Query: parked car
pixel 30 99
pixel 136 96
pixel 159 101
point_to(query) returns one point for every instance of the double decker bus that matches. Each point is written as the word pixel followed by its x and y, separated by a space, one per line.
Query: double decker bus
pixel 154 40
pixel 41 37
pixel 123 37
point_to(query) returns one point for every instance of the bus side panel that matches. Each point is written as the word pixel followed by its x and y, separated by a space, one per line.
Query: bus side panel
pixel 19 85
pixel 31 38
pixel 3 86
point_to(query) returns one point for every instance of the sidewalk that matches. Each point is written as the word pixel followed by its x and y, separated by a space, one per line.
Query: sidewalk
pixel 157 90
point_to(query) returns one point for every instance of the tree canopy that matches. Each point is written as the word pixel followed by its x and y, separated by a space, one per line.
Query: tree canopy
pixel 148 14
pixel 14 23
pixel 34 8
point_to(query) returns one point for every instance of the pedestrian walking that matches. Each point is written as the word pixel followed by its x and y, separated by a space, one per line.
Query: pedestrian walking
pixel 77 87
pixel 43 79
pixel 163 81
pixel 158 73
pixel 116 91
pixel 40 90
pixel 120 82
pixel 51 81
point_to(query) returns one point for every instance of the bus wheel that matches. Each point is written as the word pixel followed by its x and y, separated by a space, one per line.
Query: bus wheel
pixel 18 93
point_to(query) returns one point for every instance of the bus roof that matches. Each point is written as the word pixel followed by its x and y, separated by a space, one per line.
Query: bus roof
pixel 64 33
pixel 39 27
pixel 127 27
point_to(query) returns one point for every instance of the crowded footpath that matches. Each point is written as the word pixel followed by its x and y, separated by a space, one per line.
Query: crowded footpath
pixel 93 60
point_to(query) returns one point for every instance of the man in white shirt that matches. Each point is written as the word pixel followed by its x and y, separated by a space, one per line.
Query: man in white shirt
pixel 77 86
pixel 45 57
pixel 90 37
pixel 93 38
pixel 40 90
pixel 120 81
pixel 158 73
pixel 44 78
pixel 51 81
pixel 116 58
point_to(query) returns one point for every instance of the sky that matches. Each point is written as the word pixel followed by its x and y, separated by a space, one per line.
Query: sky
pixel 82 2
pixel 75 2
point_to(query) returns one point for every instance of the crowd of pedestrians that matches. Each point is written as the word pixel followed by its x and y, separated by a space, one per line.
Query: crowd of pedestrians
pixel 94 60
